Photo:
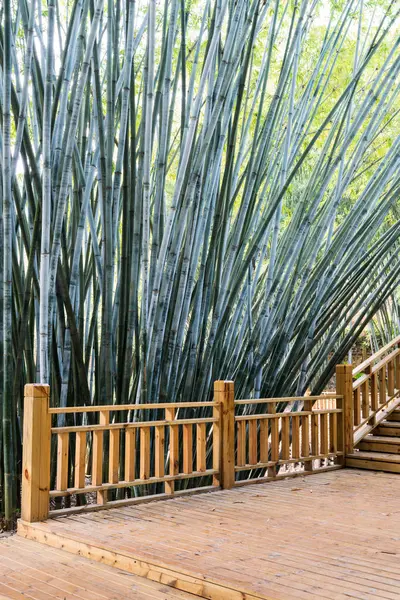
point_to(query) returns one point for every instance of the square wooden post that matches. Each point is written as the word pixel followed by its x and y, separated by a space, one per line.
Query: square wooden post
pixel 36 454
pixel 224 394
pixel 344 387
pixel 308 434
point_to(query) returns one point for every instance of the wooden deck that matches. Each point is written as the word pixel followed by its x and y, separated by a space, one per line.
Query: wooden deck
pixel 333 535
pixel 30 570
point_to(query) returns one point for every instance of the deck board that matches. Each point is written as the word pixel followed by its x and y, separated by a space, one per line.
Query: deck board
pixel 333 535
pixel 32 570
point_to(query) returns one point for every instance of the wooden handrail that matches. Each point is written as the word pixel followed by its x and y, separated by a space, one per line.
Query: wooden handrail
pixel 288 414
pixel 375 369
pixel 287 399
pixel 134 425
pixel 367 363
pixel 127 407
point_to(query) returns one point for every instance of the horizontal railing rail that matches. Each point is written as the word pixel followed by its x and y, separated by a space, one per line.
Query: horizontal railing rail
pixel 127 407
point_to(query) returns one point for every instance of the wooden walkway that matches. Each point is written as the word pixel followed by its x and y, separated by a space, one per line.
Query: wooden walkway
pixel 333 535
pixel 31 570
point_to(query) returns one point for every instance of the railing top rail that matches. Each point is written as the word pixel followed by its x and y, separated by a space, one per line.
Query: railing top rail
pixel 133 425
pixel 372 359
pixel 115 407
pixel 288 399
pixel 288 415
pixel 375 369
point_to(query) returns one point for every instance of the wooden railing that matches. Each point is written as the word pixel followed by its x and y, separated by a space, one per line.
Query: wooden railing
pixel 283 440
pixel 371 391
pixel 104 453
pixel 115 452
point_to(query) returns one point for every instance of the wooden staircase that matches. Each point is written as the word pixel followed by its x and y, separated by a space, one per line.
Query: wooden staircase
pixel 380 449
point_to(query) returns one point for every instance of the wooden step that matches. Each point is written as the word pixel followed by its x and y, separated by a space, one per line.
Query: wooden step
pixel 376 443
pixel 387 428
pixel 374 461
pixel 394 416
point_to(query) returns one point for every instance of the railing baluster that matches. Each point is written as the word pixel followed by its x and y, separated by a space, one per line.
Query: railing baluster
pixel 365 399
pixel 333 433
pixel 80 459
pixel 397 371
pixel 382 385
pixel 241 443
pixel 62 461
pixel 374 392
pixel 187 448
pixel 144 452
pixel 357 407
pixel 314 434
pixel 295 437
pixel 113 466
pixel 201 446
pixel 253 442
pixel 324 446
pixel 173 450
pixel 130 454
pixel 264 446
pixel 391 378
pixel 159 455
pixel 285 452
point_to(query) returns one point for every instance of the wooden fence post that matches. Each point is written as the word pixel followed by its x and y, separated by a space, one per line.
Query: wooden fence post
pixel 36 454
pixel 224 394
pixel 308 434
pixel 344 387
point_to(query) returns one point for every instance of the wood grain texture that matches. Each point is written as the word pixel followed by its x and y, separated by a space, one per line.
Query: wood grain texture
pixel 247 542
pixel 224 394
pixel 32 570
pixel 80 460
pixel 62 461
pixel 344 387
pixel 36 453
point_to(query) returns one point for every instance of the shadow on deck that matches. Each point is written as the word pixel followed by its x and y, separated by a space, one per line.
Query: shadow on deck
pixel 335 535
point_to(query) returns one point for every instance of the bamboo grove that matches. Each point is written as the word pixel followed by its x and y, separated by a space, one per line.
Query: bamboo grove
pixel 191 190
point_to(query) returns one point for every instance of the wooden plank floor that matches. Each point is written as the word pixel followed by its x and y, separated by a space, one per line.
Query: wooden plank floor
pixel 32 570
pixel 333 535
